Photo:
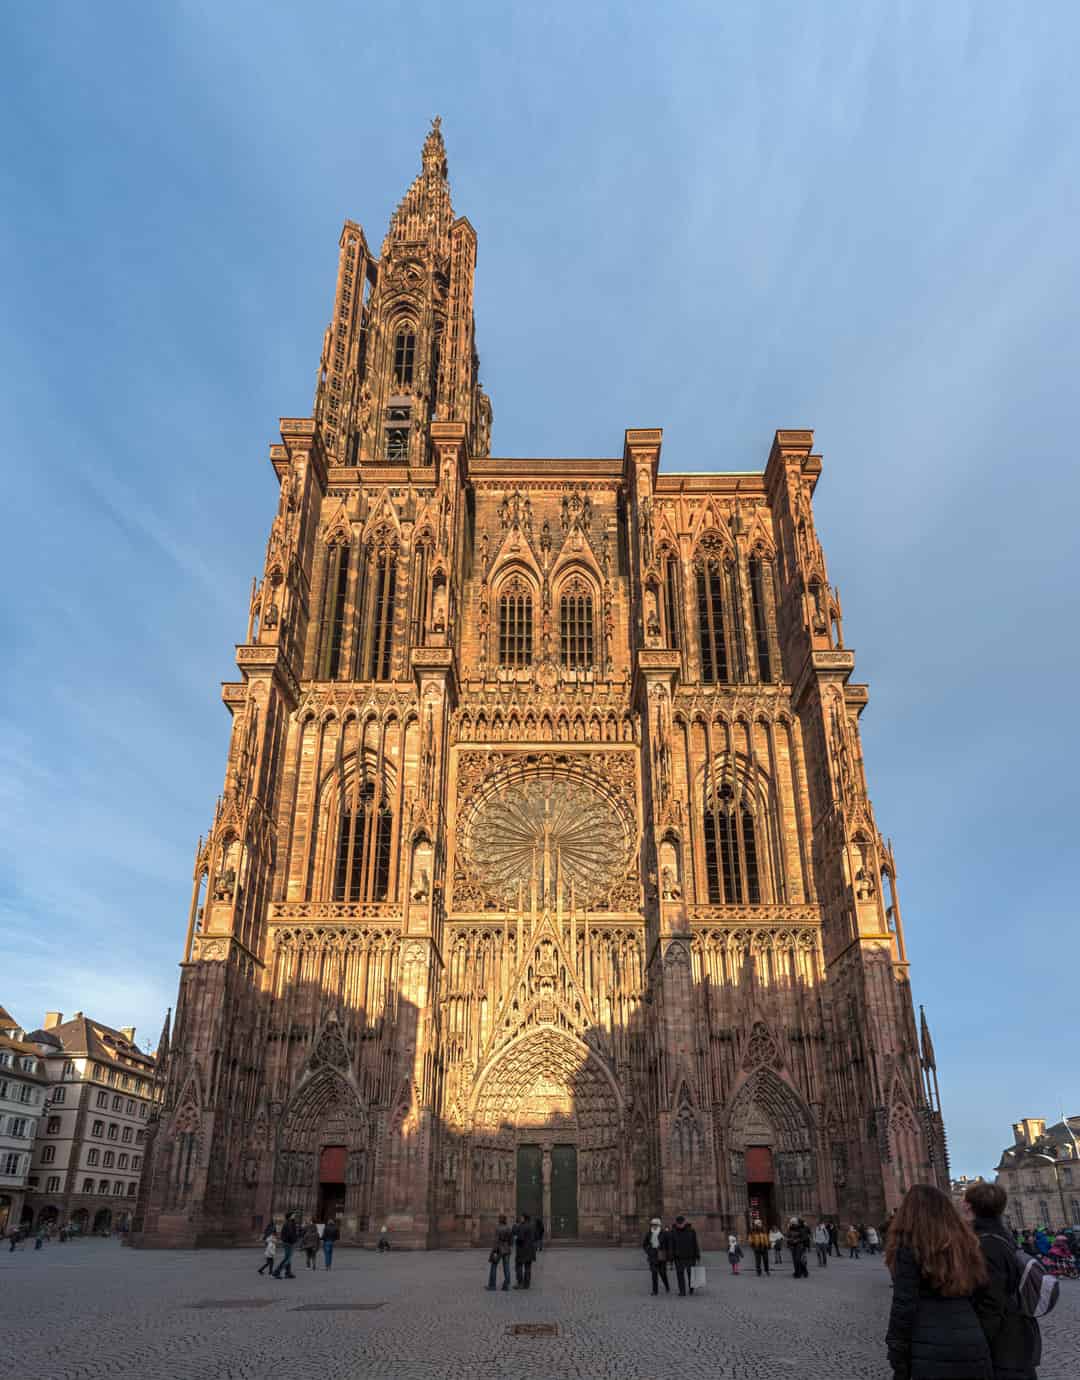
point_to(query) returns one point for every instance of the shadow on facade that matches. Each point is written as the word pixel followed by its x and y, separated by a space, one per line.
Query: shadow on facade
pixel 583 1080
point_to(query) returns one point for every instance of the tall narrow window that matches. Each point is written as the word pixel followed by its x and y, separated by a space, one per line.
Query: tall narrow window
pixel 380 661
pixel 333 619
pixel 404 355
pixel 576 626
pixel 515 624
pixel 671 602
pixel 732 868
pixel 761 625
pixel 420 593
pixel 710 598
pixel 365 835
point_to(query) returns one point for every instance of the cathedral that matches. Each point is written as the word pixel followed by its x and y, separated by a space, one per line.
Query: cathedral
pixel 544 876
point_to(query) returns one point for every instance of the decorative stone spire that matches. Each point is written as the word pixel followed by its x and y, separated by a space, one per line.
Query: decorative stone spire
pixel 424 212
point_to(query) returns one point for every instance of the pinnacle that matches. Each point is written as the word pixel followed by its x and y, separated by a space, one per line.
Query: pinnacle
pixel 434 150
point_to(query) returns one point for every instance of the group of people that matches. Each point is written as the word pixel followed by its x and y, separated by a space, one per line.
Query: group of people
pixel 1058 1251
pixel 311 1236
pixel 523 1240
pixel 675 1245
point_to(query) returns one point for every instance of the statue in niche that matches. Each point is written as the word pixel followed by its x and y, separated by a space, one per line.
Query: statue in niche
pixel 670 887
pixel 422 887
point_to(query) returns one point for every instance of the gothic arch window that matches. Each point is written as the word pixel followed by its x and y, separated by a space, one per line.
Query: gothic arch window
pixel 404 354
pixel 576 624
pixel 711 601
pixel 363 842
pixel 382 587
pixel 421 590
pixel 760 579
pixel 335 597
pixel 671 599
pixel 515 623
pixel 736 838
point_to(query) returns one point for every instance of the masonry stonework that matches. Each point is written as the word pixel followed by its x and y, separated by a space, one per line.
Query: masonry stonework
pixel 544 876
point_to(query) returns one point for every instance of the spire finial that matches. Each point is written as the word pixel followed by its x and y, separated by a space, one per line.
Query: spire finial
pixel 434 152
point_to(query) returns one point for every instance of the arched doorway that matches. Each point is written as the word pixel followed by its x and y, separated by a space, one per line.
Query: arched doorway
pixel 771 1138
pixel 79 1218
pixel 323 1162
pixel 102 1221
pixel 48 1216
pixel 546 1138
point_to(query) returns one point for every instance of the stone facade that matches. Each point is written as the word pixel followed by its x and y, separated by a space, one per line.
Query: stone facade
pixel 544 875
pixel 1040 1172
pixel 22 1101
pixel 91 1143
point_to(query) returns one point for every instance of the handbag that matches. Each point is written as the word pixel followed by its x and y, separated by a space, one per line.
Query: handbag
pixel 697 1277
pixel 493 1256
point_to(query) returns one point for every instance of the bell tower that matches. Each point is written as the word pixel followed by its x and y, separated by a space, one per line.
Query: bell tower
pixel 400 352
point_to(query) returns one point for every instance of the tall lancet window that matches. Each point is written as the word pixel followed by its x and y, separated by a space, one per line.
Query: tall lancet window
pixel 730 832
pixel 515 624
pixel 760 574
pixel 364 839
pixel 335 595
pixel 404 355
pixel 671 601
pixel 576 625
pixel 382 583
pixel 710 599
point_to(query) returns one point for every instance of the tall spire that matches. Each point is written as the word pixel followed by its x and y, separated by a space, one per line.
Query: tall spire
pixel 424 212
pixel 929 1062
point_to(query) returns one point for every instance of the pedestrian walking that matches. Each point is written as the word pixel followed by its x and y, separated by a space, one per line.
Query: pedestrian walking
pixel 776 1238
pixel 384 1239
pixel 798 1241
pixel 852 1239
pixel 329 1237
pixel 871 1241
pixel 938 1272
pixel 500 1252
pixel 759 1241
pixel 657 1248
pixel 269 1251
pixel 834 1239
pixel 821 1243
pixel 289 1237
pixel 685 1252
pixel 310 1242
pixel 525 1253
pixel 734 1252
pixel 1012 1335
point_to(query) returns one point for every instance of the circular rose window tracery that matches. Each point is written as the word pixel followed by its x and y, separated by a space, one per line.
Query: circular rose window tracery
pixel 556 833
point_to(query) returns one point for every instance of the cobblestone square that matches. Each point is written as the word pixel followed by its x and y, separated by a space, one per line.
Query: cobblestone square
pixel 94 1309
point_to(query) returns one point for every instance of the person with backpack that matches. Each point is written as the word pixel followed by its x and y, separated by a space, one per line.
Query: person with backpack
pixel 938 1274
pixel 310 1243
pixel 758 1241
pixel 821 1243
pixel 331 1231
pixel 1012 1333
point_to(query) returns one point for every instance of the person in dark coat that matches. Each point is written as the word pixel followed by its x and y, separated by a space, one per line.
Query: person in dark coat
pixel 657 1248
pixel 331 1232
pixel 1014 1338
pixel 798 1240
pixel 289 1237
pixel 525 1253
pixel 938 1274
pixel 685 1251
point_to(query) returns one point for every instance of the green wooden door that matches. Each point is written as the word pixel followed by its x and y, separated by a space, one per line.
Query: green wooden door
pixel 530 1180
pixel 563 1191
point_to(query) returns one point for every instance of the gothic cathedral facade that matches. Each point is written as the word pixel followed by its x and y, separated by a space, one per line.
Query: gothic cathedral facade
pixel 544 876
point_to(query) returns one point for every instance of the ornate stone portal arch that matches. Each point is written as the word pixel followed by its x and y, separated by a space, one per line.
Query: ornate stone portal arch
pixel 548 1091
pixel 767 1114
pixel 325 1128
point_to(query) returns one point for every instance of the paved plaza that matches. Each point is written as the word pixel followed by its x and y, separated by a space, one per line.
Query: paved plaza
pixel 95 1309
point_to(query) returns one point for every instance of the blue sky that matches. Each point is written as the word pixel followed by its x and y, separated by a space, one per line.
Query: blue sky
pixel 720 219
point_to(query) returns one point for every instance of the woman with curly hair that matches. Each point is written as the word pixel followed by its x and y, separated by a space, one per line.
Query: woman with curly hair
pixel 938 1270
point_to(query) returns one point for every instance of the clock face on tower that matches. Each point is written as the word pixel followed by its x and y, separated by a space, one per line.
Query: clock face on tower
pixel 552 832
